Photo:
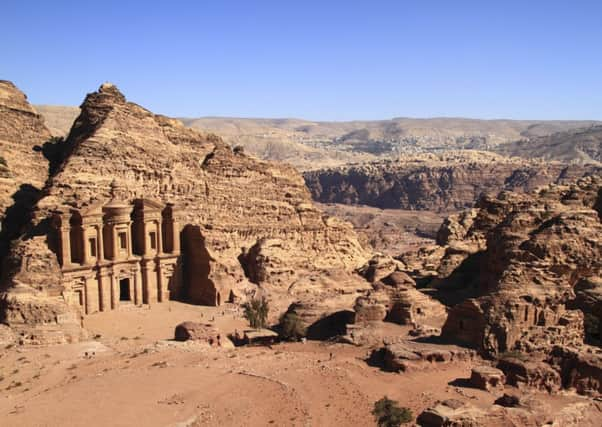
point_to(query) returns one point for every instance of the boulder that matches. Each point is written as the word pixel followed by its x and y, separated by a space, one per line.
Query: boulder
pixel 259 337
pixel 321 319
pixel 201 332
pixel 449 413
pixel 487 377
pixel 536 374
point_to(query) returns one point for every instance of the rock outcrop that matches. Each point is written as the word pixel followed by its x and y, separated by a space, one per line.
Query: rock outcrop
pixel 241 219
pixel 519 274
pixel 531 412
pixel 24 139
pixel 541 246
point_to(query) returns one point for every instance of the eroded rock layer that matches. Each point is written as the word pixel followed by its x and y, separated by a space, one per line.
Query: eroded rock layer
pixel 23 167
pixel 450 181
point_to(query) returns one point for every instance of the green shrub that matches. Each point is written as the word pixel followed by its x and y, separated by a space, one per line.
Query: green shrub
pixel 291 327
pixel 256 312
pixel 388 413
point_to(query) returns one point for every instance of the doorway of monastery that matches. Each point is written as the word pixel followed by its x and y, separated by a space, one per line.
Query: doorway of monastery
pixel 124 290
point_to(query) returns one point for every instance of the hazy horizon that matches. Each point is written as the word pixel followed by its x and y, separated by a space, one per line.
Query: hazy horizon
pixel 318 120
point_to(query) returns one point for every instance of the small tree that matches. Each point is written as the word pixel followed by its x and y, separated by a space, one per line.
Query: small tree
pixel 291 327
pixel 256 312
pixel 388 413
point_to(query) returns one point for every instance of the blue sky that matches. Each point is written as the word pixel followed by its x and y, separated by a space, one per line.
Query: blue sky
pixel 323 60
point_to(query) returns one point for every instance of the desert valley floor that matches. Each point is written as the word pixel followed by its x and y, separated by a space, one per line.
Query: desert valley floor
pixel 133 373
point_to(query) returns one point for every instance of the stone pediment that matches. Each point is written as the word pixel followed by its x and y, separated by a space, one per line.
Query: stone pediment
pixel 148 205
pixel 94 209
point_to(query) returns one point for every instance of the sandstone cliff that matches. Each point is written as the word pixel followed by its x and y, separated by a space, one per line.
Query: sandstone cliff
pixel 239 217
pixel 236 200
pixel 520 274
pixel 519 256
pixel 23 167
pixel 445 182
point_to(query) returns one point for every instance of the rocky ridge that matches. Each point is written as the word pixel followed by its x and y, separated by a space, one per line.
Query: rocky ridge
pixel 574 146
pixel 310 145
pixel 443 182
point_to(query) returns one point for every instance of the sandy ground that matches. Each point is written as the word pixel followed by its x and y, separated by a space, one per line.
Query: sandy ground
pixel 132 374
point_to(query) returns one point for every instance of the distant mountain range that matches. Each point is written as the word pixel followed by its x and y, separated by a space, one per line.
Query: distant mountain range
pixel 313 145
pixel 576 145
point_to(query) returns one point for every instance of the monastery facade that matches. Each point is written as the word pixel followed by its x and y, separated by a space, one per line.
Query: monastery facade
pixel 118 253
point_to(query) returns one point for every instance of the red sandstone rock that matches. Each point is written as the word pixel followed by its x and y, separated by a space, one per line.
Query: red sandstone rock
pixel 487 378
pixel 201 332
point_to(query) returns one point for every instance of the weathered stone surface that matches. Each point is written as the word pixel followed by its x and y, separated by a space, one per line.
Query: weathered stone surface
pixel 588 299
pixel 395 298
pixel 24 141
pixel 379 267
pixel 579 370
pixel 487 377
pixel 259 337
pixel 449 181
pixel 34 305
pixel 21 130
pixel 449 413
pixel 538 247
pixel 372 307
pixel 202 332
pixel 533 412
pixel 406 355
pixel 409 306
pixel 521 373
pixel 322 319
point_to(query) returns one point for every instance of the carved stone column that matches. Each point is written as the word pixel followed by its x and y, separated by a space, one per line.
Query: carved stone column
pixel 85 256
pixel 99 244
pixel 104 292
pixel 114 243
pixel 114 291
pixel 145 244
pixel 65 241
pixel 159 240
pixel 160 296
pixel 128 234
pixel 175 236
pixel 138 300
pixel 88 292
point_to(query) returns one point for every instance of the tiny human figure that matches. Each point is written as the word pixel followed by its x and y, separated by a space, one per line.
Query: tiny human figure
pixel 331 356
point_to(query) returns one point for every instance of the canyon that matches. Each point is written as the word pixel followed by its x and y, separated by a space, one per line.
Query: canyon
pixel 410 258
